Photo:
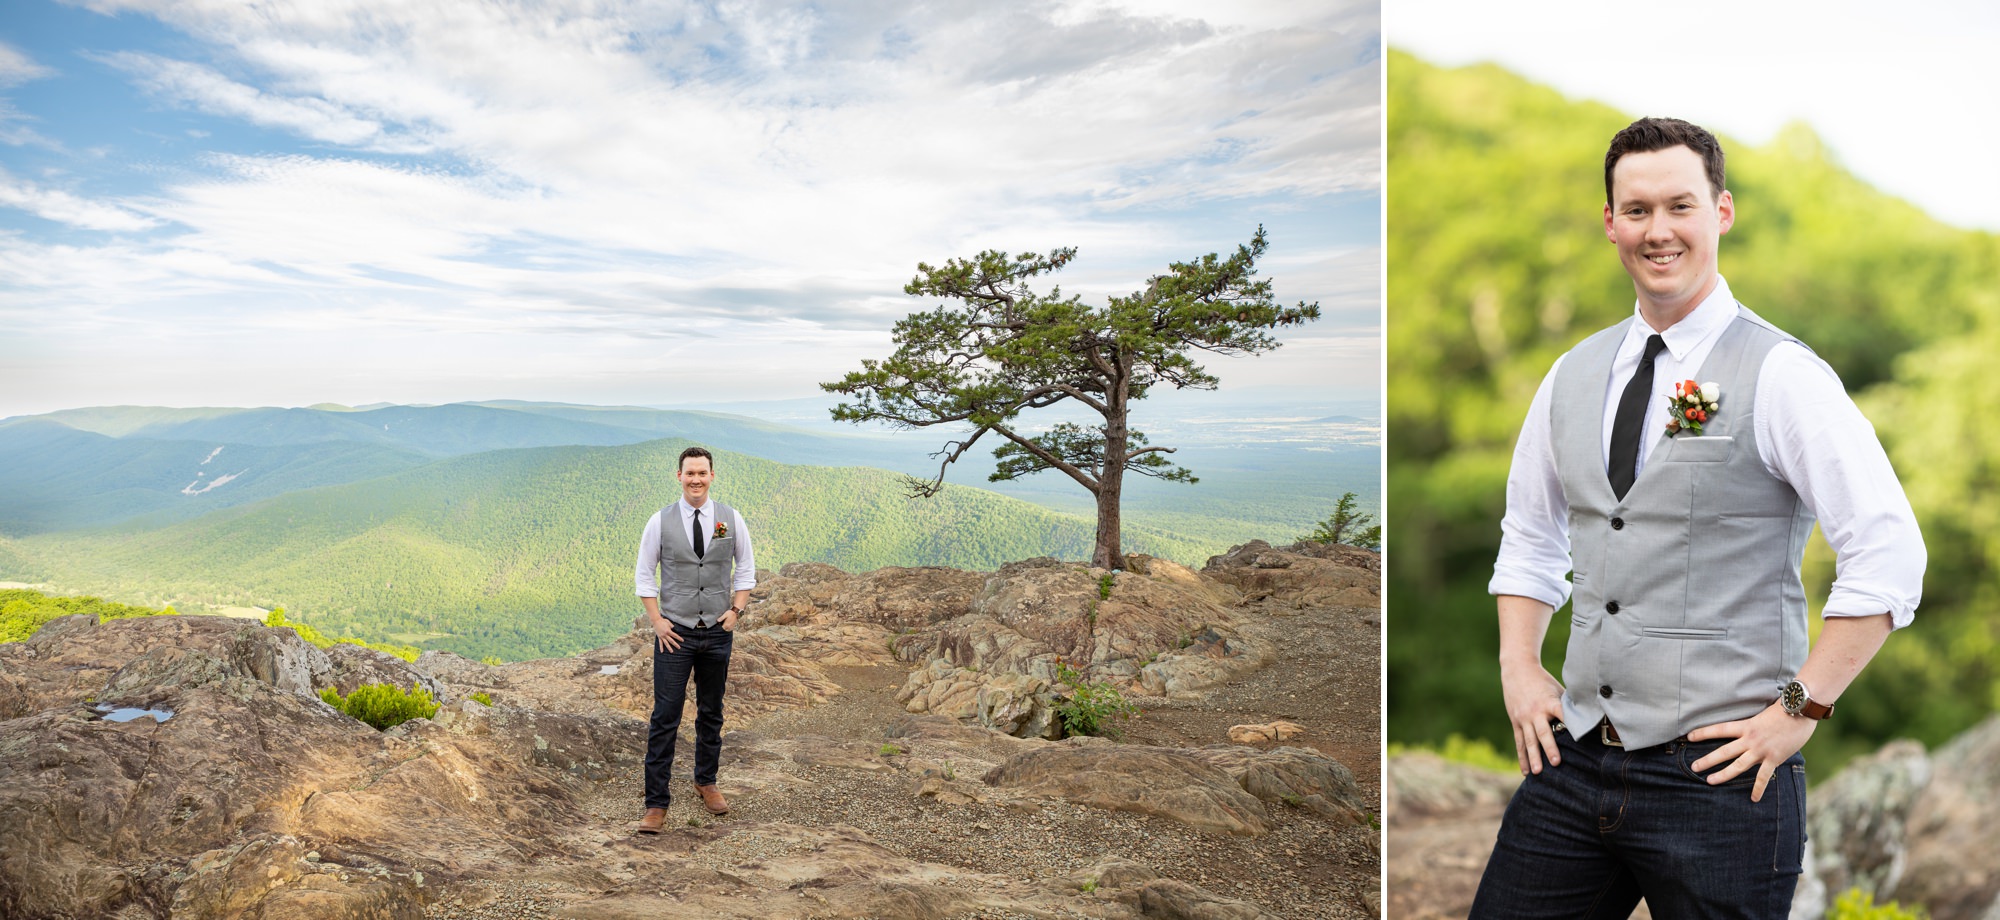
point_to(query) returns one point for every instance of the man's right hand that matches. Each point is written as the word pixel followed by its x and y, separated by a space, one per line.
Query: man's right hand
pixel 664 635
pixel 1534 703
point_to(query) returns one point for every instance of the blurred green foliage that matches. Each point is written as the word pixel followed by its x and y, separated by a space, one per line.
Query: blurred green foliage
pixel 1498 264
pixel 1856 904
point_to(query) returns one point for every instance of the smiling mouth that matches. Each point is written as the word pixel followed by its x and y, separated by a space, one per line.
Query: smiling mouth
pixel 1667 259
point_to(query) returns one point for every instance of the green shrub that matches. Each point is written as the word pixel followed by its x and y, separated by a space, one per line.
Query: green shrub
pixel 889 750
pixel 1090 707
pixel 23 612
pixel 484 698
pixel 1477 752
pixel 276 618
pixel 382 705
pixel 1104 587
pixel 1860 905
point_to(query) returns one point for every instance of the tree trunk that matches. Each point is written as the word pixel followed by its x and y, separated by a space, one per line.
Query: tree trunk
pixel 1110 554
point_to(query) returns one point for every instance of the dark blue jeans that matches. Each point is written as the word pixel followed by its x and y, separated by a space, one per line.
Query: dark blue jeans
pixel 704 655
pixel 1589 838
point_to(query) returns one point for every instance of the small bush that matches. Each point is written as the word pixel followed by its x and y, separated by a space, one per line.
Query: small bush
pixel 1090 707
pixel 491 660
pixel 1104 587
pixel 382 705
pixel 483 697
pixel 1860 905
pixel 1477 752
pixel 889 750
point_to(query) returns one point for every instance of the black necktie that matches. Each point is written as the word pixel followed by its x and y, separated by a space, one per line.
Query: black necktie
pixel 1630 424
pixel 697 520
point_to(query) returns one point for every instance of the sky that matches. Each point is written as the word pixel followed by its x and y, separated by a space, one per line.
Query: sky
pixel 655 203
pixel 1902 94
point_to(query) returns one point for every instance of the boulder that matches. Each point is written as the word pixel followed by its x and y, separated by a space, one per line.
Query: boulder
pixel 1858 820
pixel 1173 900
pixel 1293 776
pixel 1301 575
pixel 1952 850
pixel 1265 733
pixel 1169 783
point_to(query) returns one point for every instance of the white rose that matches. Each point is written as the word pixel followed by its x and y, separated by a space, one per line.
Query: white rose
pixel 1710 391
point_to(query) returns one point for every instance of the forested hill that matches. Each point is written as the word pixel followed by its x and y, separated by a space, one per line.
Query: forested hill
pixel 525 553
pixel 1498 263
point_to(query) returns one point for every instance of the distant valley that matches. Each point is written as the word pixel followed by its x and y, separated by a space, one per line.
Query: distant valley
pixel 508 528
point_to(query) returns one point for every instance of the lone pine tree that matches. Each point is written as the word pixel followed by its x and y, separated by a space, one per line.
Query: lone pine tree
pixel 1006 349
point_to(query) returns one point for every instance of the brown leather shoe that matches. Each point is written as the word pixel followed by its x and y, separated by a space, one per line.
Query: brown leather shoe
pixel 711 799
pixel 655 819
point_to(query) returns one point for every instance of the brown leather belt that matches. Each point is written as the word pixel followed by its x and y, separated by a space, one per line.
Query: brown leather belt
pixel 1608 733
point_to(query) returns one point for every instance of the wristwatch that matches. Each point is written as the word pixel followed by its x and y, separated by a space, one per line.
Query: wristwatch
pixel 1798 701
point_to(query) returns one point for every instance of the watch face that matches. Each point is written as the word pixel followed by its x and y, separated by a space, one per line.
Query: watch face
pixel 1793 697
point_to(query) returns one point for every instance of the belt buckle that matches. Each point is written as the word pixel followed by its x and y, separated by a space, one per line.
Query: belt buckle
pixel 1604 735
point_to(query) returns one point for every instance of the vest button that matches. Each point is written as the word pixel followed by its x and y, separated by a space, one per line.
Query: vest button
pixel 1618 523
pixel 1611 608
pixel 1604 691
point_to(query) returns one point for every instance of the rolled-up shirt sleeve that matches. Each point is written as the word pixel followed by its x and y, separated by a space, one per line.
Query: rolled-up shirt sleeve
pixel 746 558
pixel 1534 535
pixel 1811 435
pixel 646 575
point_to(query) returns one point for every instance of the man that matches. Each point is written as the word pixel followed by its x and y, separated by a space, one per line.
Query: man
pixel 1665 764
pixel 701 551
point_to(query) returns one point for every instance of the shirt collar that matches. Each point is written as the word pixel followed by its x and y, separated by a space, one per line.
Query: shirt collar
pixel 1703 321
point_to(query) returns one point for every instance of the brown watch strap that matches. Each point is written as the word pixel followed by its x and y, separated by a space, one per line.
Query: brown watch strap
pixel 1814 709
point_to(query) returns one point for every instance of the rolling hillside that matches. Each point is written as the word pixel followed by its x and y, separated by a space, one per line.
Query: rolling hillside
pixel 529 552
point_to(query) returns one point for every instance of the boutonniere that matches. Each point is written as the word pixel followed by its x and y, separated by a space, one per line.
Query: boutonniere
pixel 721 530
pixel 1692 404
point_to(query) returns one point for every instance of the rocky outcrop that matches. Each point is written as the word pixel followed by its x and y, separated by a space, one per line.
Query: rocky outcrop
pixel 241 794
pixel 1302 575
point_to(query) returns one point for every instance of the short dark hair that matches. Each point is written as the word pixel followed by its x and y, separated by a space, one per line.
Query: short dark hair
pixel 1649 134
pixel 681 464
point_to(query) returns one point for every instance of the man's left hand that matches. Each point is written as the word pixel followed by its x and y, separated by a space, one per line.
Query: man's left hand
pixel 728 620
pixel 1762 742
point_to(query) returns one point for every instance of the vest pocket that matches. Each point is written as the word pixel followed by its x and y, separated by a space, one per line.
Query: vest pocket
pixel 1678 632
pixel 1700 449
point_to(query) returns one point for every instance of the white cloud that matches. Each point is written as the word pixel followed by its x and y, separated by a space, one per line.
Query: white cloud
pixel 17 68
pixel 63 207
pixel 211 92
pixel 615 172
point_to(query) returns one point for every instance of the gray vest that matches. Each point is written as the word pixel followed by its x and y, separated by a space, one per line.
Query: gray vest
pixel 696 589
pixel 1688 608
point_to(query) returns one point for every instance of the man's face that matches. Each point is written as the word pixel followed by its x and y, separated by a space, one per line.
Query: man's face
pixel 696 476
pixel 1667 224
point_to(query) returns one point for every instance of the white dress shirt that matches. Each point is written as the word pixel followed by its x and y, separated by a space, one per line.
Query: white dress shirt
pixel 1810 435
pixel 647 578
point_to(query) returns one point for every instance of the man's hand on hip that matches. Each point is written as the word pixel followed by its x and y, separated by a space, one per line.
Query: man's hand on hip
pixel 1762 742
pixel 727 621
pixel 1533 695
pixel 1534 701
pixel 664 635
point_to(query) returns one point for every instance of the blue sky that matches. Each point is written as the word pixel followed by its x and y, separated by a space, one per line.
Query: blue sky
pixel 210 203
pixel 1902 94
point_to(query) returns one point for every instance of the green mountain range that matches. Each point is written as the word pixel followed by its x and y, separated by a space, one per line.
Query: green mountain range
pixel 1497 264
pixel 508 528
pixel 530 552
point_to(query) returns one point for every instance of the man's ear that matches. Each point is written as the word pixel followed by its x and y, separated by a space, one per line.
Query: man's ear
pixel 1725 211
pixel 1609 234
